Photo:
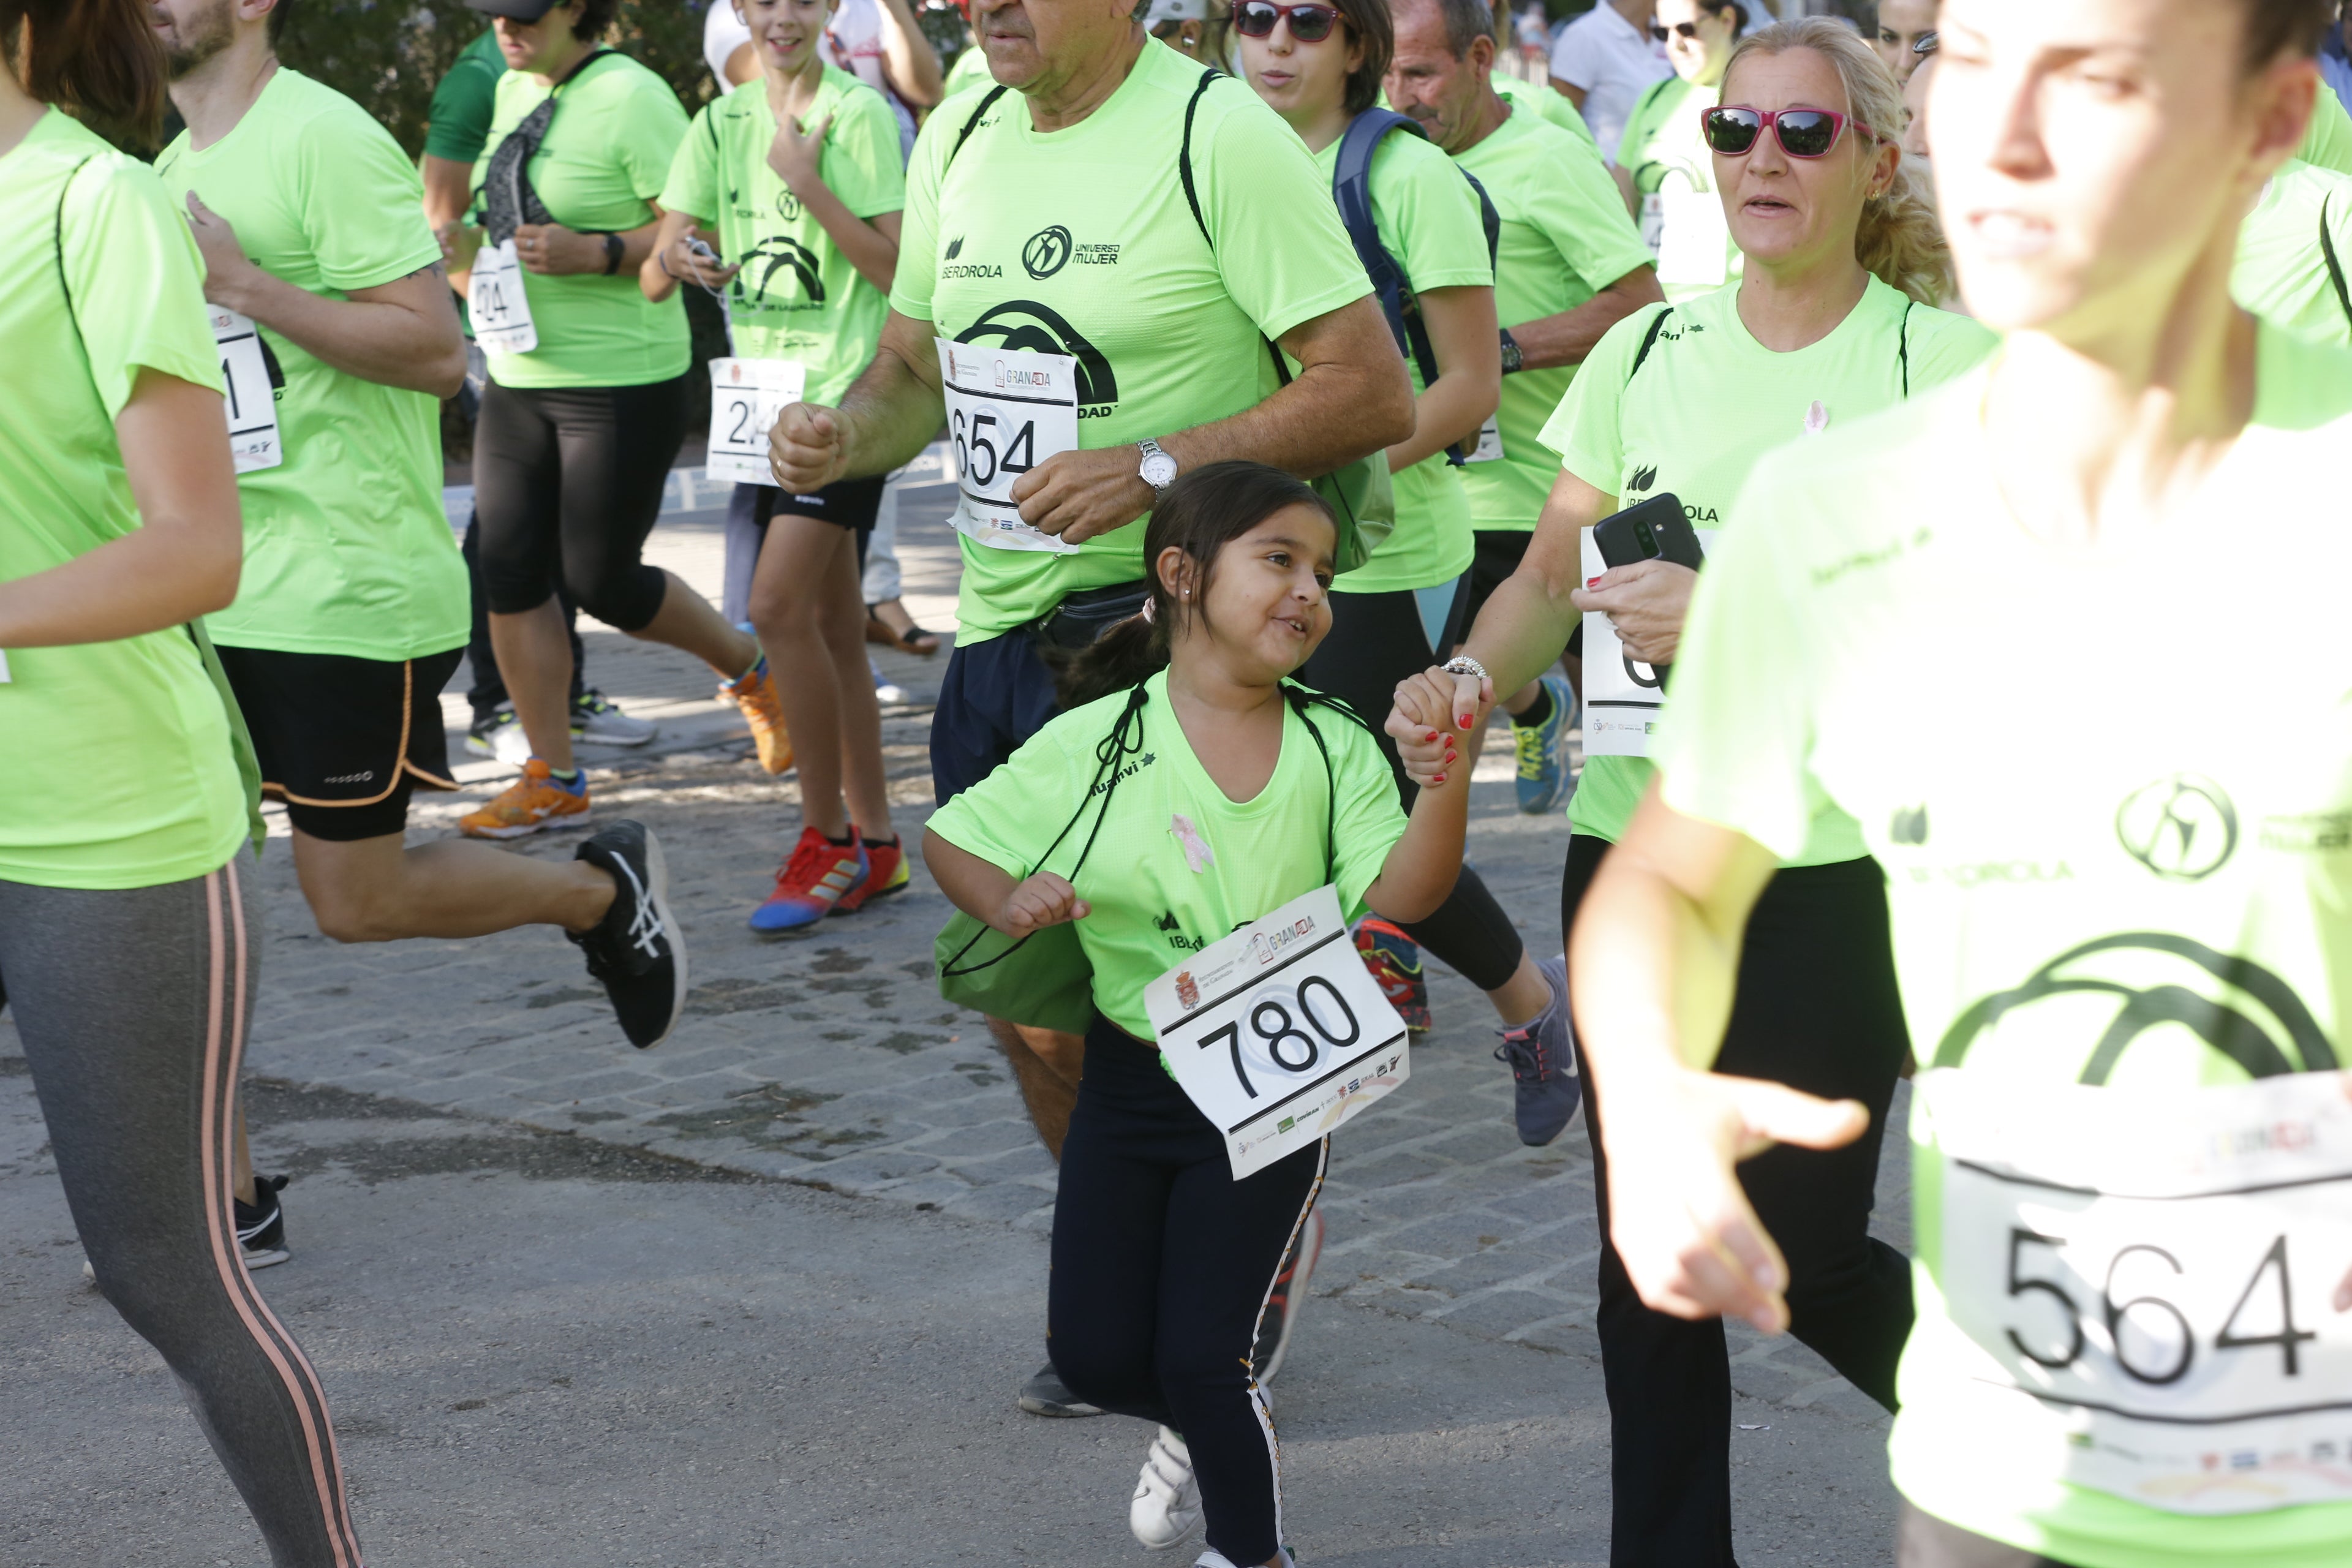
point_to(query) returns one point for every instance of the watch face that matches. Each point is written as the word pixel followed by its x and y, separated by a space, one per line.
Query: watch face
pixel 1159 470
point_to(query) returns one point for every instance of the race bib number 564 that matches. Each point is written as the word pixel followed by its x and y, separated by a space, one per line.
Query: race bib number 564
pixel 1278 1033
pixel 1008 411
pixel 2153 1274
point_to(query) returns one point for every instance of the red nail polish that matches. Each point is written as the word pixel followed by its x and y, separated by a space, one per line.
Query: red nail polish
pixel 1432 734
pixel 1465 720
pixel 1439 779
pixel 1589 581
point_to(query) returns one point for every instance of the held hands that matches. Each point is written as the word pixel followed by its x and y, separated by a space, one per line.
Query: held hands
pixel 805 449
pixel 227 268
pixel 553 250
pixel 1079 495
pixel 1044 899
pixel 1647 602
pixel 1435 713
pixel 794 153
pixel 1691 1244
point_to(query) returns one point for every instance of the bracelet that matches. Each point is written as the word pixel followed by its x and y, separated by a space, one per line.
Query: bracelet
pixel 1463 664
pixel 615 249
pixel 661 260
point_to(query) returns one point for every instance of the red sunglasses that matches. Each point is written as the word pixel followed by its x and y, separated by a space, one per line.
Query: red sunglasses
pixel 1802 133
pixel 1309 24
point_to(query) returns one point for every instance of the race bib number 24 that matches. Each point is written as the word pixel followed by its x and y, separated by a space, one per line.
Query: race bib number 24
pixel 495 300
pixel 2153 1275
pixel 745 395
pixel 1008 411
pixel 1278 1033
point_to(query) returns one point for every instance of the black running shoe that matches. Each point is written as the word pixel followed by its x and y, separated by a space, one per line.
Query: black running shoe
pixel 261 1224
pixel 634 950
pixel 1048 1394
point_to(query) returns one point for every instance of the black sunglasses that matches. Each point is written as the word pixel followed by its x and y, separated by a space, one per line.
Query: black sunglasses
pixel 1802 132
pixel 1686 29
pixel 1309 24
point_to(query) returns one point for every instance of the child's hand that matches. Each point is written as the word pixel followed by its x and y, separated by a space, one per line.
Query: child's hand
pixel 1429 733
pixel 1044 899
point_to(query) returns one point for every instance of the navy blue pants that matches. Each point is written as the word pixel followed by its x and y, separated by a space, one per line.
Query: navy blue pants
pixel 994 695
pixel 1162 1264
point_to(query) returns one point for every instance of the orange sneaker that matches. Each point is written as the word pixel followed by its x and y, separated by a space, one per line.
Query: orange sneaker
pixel 532 802
pixel 755 691
pixel 886 874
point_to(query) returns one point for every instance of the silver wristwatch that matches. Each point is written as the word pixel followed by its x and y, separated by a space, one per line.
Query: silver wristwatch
pixel 1157 468
pixel 1463 664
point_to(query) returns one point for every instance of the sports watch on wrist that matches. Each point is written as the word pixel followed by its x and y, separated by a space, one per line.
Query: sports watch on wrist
pixel 615 249
pixel 1512 360
pixel 1157 468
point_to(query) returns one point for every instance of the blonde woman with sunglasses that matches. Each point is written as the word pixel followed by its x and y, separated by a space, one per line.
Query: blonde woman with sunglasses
pixel 1827 325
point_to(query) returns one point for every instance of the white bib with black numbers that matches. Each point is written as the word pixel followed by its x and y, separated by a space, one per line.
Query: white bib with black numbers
pixel 1008 411
pixel 252 403
pixel 1621 696
pixel 2156 1272
pixel 1278 1033
pixel 745 395
pixel 495 300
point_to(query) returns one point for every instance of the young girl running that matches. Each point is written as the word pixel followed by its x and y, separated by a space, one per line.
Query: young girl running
pixel 1225 793
pixel 800 169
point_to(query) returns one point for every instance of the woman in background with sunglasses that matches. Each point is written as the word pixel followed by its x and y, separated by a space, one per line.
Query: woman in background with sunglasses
pixel 1663 162
pixel 1828 323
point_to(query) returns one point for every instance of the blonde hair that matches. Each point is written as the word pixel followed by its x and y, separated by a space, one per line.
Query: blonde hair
pixel 1899 239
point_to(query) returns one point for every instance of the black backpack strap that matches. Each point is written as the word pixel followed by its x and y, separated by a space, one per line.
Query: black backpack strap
pixel 1903 354
pixel 1184 155
pixel 1301 698
pixel 987 102
pixel 2335 265
pixel 1649 341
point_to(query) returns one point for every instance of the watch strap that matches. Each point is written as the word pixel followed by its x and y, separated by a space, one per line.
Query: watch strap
pixel 615 249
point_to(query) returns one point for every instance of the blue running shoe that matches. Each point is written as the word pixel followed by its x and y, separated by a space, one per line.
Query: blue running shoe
pixel 1547 1091
pixel 1545 783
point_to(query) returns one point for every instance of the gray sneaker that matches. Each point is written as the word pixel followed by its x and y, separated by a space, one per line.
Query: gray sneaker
pixel 500 735
pixel 1048 1394
pixel 596 722
pixel 1548 1093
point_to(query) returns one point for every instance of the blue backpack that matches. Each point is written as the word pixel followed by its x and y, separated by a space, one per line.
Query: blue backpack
pixel 1351 187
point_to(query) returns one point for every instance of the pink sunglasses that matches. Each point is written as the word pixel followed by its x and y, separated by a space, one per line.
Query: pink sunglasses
pixel 1732 130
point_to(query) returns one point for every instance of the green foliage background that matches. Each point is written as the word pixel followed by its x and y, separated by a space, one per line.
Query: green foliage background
pixel 390 54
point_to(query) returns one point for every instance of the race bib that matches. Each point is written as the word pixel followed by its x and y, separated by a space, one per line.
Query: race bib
pixel 1621 697
pixel 745 395
pixel 2153 1273
pixel 1008 411
pixel 252 402
pixel 1654 220
pixel 495 300
pixel 1278 1033
pixel 1693 241
pixel 1490 441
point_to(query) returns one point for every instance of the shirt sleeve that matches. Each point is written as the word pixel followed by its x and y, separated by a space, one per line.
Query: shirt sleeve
pixel 1280 248
pixel 460 116
pixel 1010 817
pixel 1421 194
pixel 645 128
pixel 137 280
pixel 2328 140
pixel 1587 223
pixel 1735 741
pixel 1641 123
pixel 1575 59
pixel 363 203
pixel 692 185
pixel 1585 429
pixel 861 155
pixel 918 272
pixel 1945 345
pixel 1368 822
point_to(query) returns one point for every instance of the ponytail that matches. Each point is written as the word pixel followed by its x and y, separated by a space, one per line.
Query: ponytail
pixel 1201 513
pixel 97 60
pixel 1899 240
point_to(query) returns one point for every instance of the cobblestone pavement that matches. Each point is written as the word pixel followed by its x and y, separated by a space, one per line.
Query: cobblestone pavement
pixel 831 1060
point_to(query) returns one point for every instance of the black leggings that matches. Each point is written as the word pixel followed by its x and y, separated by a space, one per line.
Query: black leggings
pixel 1162 1267
pixel 1816 1009
pixel 567 484
pixel 1376 641
pixel 138 1086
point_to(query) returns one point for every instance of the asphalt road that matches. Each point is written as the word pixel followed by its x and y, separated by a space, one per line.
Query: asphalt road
pixel 548 1353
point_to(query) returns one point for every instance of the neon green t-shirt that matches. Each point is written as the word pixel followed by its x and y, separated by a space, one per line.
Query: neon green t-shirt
pixel 1565 237
pixel 116 770
pixel 1878 591
pixel 970 69
pixel 2282 273
pixel 1673 174
pixel 1708 402
pixel 1151 907
pixel 1428 218
pixel 798 297
pixel 2327 140
pixel 617 126
pixel 347 550
pixel 1165 329
pixel 1549 104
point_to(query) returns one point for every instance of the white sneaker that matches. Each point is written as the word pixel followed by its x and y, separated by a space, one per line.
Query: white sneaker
pixel 1213 1558
pixel 1166 1507
pixel 595 721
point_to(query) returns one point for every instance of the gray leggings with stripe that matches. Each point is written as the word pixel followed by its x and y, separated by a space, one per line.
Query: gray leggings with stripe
pixel 137 1080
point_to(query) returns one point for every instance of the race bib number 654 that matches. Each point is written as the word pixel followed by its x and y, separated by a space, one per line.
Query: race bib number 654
pixel 1008 411
pixel 1278 1033
pixel 2153 1274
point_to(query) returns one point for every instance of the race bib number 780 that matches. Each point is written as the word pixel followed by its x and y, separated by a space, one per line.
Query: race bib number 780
pixel 2156 1272
pixel 1278 1033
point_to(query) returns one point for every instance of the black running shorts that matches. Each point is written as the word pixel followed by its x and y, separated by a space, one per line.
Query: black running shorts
pixel 343 740
pixel 845 503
